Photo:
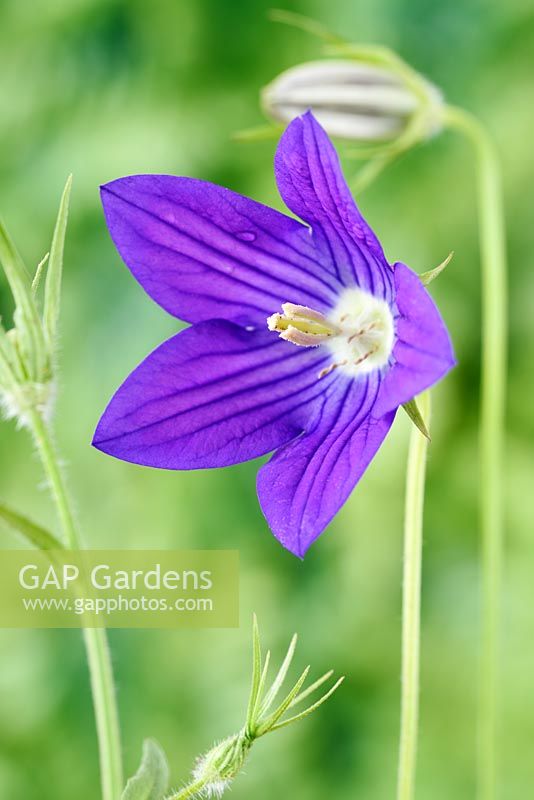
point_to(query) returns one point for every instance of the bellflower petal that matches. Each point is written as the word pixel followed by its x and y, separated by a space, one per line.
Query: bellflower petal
pixel 307 481
pixel 202 251
pixel 213 395
pixel 423 351
pixel 312 185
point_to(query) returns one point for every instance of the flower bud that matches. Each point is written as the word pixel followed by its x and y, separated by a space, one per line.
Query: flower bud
pixel 27 351
pixel 216 770
pixel 355 99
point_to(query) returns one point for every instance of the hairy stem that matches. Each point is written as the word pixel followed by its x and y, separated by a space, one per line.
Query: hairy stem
pixel 98 656
pixel 493 391
pixel 192 789
pixel 411 604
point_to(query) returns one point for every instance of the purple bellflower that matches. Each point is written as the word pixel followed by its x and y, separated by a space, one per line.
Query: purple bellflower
pixel 305 340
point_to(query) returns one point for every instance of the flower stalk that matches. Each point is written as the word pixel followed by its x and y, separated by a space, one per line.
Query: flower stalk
pixel 96 645
pixel 27 392
pixel 411 603
pixel 493 391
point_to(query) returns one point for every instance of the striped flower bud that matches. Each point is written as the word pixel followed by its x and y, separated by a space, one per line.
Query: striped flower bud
pixel 355 100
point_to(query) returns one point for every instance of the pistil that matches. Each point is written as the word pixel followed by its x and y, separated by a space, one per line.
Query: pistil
pixel 302 326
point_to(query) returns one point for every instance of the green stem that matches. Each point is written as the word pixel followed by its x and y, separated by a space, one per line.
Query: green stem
pixel 411 604
pixel 493 390
pixel 98 656
pixel 191 790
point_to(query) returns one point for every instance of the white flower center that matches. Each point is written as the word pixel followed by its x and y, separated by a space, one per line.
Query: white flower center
pixel 367 332
pixel 359 332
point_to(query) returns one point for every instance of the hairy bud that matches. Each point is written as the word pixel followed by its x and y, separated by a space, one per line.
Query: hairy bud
pixel 215 771
pixel 27 350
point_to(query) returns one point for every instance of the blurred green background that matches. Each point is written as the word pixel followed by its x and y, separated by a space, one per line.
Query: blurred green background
pixel 104 88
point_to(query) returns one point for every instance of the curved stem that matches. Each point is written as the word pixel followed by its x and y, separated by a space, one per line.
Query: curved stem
pixel 493 390
pixel 411 604
pixel 98 656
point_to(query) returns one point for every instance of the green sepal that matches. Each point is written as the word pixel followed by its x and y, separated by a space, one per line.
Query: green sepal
pixel 416 417
pixel 151 780
pixel 36 282
pixel 269 723
pixel 280 677
pixel 26 315
pixel 6 365
pixel 34 534
pixel 306 713
pixel 256 676
pixel 55 269
pixel 216 769
pixel 428 277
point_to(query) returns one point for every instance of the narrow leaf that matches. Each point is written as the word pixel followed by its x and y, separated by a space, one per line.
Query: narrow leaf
pixel 281 676
pixel 151 780
pixel 55 266
pixel 33 533
pixel 428 277
pixel 309 710
pixel 416 417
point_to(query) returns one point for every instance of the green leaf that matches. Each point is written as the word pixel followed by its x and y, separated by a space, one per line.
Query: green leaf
pixel 151 780
pixel 33 533
pixel 428 277
pixel 55 267
pixel 416 417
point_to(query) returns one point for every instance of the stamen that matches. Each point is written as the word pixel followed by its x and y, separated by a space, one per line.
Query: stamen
pixel 359 332
pixel 364 357
pixel 362 331
pixel 327 370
